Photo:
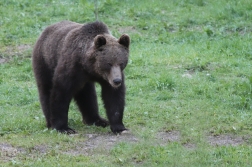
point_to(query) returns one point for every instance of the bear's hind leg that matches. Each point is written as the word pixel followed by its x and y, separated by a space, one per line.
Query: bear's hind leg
pixel 44 96
pixel 44 84
pixel 86 100
pixel 59 105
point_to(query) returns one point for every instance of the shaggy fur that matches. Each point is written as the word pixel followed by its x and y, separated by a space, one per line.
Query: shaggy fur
pixel 68 59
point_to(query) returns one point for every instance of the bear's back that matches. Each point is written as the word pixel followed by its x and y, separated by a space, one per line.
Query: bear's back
pixel 61 37
pixel 49 44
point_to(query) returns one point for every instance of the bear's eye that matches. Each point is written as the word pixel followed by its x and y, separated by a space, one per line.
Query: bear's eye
pixel 110 64
pixel 100 49
pixel 121 65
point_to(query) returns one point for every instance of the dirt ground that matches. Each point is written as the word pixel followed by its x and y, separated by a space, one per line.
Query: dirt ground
pixel 225 140
pixel 11 51
pixel 8 152
pixel 106 142
pixel 100 142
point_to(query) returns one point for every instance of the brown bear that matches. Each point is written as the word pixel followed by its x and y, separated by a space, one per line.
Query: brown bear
pixel 68 58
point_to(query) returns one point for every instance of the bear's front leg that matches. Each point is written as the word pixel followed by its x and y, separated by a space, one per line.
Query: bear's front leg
pixel 114 102
pixel 59 105
pixel 86 100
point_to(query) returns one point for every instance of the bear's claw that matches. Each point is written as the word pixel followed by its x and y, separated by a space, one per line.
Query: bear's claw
pixel 118 129
pixel 101 122
pixel 67 131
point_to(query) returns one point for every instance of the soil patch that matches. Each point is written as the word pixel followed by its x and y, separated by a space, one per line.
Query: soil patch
pixel 190 146
pixel 225 140
pixel 10 51
pixel 126 30
pixel 100 142
pixel 9 152
pixel 41 149
pixel 187 75
pixel 166 137
pixel 2 60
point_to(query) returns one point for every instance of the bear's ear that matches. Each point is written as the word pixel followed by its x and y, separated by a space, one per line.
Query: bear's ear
pixel 124 40
pixel 99 41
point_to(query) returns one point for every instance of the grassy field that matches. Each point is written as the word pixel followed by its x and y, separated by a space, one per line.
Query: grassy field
pixel 189 85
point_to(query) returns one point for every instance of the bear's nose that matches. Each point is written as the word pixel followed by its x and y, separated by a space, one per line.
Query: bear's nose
pixel 117 81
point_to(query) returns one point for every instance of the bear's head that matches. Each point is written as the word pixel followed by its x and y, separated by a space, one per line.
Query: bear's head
pixel 110 57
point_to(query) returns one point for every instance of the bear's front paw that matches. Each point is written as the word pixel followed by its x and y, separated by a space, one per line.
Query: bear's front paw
pixel 117 129
pixel 101 122
pixel 67 131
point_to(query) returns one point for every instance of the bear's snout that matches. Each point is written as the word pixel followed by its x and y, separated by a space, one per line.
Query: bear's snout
pixel 117 81
pixel 115 76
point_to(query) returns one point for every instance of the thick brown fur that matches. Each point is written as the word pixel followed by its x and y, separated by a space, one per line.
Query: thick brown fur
pixel 68 59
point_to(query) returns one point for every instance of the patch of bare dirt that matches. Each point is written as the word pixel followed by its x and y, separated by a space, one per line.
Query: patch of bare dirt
pixel 9 152
pixel 11 51
pixel 166 137
pixel 22 48
pixel 2 60
pixel 188 75
pixel 225 140
pixel 190 146
pixel 17 50
pixel 101 142
pixel 41 149
pixel 127 30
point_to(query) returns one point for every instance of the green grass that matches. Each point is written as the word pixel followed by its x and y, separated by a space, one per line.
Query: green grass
pixel 189 72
